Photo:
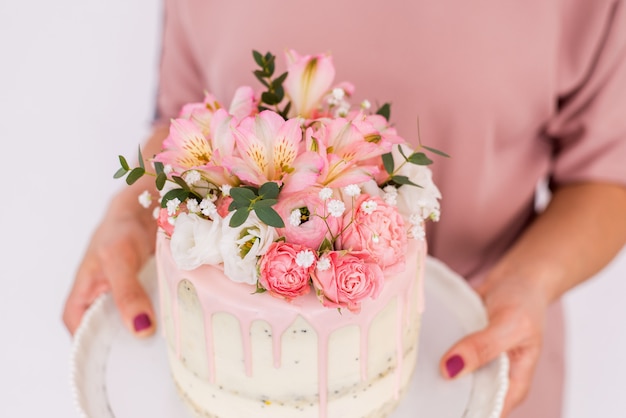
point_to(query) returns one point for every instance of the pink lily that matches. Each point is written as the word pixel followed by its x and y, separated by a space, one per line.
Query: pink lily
pixel 309 79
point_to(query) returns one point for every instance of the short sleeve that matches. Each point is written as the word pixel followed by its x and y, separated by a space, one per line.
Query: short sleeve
pixel 180 78
pixel 589 130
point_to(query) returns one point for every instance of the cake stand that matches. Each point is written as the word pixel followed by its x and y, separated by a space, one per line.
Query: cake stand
pixel 113 374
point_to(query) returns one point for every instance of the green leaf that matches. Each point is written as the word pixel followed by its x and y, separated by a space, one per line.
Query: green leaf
pixel 436 151
pixel 269 98
pixel 135 175
pixel 242 195
pixel 239 217
pixel 179 194
pixel 403 180
pixel 388 162
pixel 402 153
pixel 141 164
pixel 269 190
pixel 419 158
pixel 265 203
pixel 124 163
pixel 121 172
pixel 285 111
pixel 326 245
pixel 160 180
pixel 181 182
pixel 279 92
pixel 270 64
pixel 158 167
pixel 258 58
pixel 261 76
pixel 233 206
pixel 278 81
pixel 269 216
pixel 384 111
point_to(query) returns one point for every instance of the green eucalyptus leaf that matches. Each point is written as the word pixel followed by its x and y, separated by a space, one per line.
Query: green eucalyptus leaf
pixel 269 98
pixel 285 111
pixel 242 195
pixel 403 180
pixel 179 194
pixel 181 182
pixel 258 58
pixel 271 64
pixel 239 217
pixel 278 81
pixel 264 203
pixel 141 163
pixel 124 163
pixel 135 175
pixel 279 92
pixel 269 216
pixel 158 167
pixel 121 172
pixel 234 205
pixel 402 153
pixel 161 178
pixel 436 151
pixel 385 111
pixel 326 245
pixel 419 158
pixel 388 162
pixel 269 190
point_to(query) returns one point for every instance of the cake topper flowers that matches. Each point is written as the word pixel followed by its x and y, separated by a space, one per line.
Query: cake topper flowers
pixel 302 190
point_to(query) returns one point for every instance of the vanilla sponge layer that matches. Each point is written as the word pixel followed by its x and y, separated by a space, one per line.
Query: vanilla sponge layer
pixel 237 354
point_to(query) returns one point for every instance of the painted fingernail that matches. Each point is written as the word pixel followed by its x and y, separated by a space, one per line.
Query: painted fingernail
pixel 454 365
pixel 141 322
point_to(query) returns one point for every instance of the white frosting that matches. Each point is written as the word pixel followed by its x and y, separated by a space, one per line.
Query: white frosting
pixel 235 354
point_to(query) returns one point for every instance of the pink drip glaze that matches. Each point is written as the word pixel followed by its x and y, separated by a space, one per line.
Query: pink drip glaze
pixel 217 294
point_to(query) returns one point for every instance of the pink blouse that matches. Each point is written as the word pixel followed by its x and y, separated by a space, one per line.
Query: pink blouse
pixel 515 91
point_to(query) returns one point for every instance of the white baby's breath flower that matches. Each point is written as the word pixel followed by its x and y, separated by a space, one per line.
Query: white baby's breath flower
pixel 323 264
pixel 343 110
pixel 145 199
pixel 191 177
pixel 326 193
pixel 415 219
pixel 336 208
pixel 226 189
pixel 352 190
pixel 338 93
pixel 192 206
pixel 171 220
pixel 369 206
pixel 305 258
pixel 172 206
pixel 417 232
pixel 365 104
pixel 207 207
pixel 295 217
pixel 156 212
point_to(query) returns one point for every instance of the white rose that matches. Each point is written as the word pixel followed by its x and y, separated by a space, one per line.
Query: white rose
pixel 193 241
pixel 242 246
pixel 422 200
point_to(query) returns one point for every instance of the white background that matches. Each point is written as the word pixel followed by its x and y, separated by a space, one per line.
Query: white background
pixel 77 79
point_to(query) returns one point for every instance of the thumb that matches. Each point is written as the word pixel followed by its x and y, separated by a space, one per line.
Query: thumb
pixel 477 349
pixel 129 295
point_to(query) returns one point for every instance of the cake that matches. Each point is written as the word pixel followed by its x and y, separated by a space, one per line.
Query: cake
pixel 291 249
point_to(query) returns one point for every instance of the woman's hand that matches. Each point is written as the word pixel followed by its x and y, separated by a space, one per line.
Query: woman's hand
pixel 119 248
pixel 516 312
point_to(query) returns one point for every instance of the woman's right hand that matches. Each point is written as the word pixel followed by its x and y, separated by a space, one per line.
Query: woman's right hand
pixel 118 250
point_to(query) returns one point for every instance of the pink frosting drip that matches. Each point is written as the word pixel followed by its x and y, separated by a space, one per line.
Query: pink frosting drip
pixel 218 294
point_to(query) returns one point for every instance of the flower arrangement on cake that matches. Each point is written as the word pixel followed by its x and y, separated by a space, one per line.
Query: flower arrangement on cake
pixel 291 189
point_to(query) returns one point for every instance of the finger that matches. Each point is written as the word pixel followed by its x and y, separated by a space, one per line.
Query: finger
pixel 88 285
pixel 479 348
pixel 521 370
pixel 121 266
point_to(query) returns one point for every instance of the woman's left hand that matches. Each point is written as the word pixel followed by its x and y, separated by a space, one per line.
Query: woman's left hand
pixel 516 312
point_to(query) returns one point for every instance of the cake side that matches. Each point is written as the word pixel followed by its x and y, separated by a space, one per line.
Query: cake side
pixel 233 356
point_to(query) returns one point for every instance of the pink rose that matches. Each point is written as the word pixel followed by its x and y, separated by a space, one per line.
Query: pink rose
pixel 307 228
pixel 343 279
pixel 163 221
pixel 377 228
pixel 285 270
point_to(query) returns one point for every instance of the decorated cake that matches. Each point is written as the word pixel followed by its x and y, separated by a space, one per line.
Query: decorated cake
pixel 291 248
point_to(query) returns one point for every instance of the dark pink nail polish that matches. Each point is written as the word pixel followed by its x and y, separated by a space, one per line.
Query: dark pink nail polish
pixel 141 322
pixel 454 365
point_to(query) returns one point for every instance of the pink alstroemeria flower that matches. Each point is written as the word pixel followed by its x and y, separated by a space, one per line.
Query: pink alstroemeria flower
pixel 187 148
pixel 310 78
pixel 343 149
pixel 271 149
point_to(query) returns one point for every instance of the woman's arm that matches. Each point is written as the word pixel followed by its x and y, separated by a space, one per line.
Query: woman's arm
pixel 118 249
pixel 581 230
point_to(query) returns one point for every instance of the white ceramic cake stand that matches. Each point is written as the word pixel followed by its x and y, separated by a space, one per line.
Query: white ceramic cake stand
pixel 116 375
